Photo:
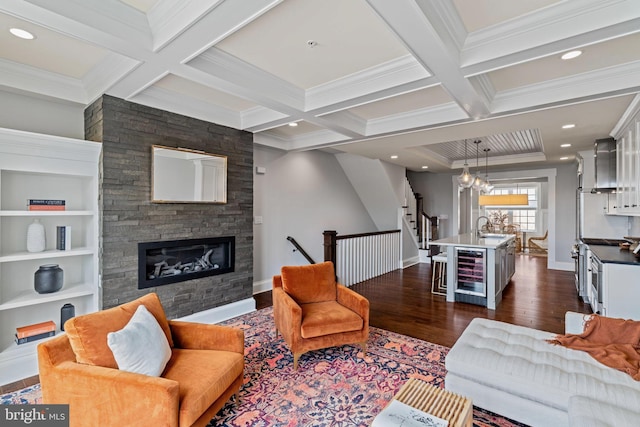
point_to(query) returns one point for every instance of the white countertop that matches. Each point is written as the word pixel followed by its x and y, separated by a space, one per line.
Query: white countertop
pixel 472 240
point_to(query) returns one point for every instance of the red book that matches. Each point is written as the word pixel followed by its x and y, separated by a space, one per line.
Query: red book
pixel 35 329
pixel 46 207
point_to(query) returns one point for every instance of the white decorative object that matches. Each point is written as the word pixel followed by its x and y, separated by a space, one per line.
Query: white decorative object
pixel 141 346
pixel 36 241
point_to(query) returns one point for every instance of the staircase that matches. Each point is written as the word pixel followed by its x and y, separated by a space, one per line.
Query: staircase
pixel 425 228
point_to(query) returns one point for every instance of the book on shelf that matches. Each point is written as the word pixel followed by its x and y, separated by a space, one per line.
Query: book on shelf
pixel 35 329
pixel 63 237
pixel 46 204
pixel 32 338
pixel 46 208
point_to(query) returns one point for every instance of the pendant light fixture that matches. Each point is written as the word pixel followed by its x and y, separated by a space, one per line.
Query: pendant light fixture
pixel 477 181
pixel 465 179
pixel 486 187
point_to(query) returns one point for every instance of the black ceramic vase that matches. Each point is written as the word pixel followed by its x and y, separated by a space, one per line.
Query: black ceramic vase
pixel 48 279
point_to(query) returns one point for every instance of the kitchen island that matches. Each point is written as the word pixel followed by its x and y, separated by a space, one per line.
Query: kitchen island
pixel 479 267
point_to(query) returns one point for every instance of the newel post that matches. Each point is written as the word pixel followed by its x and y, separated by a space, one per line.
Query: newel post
pixel 330 245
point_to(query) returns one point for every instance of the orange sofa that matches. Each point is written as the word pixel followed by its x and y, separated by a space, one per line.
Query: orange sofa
pixel 78 368
pixel 312 311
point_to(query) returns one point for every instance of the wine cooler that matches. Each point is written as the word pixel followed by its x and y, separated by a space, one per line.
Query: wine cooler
pixel 471 271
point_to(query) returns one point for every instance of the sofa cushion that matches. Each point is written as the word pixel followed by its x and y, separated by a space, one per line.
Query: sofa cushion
pixel 141 346
pixel 203 376
pixel 519 361
pixel 328 317
pixel 88 333
pixel 586 412
pixel 310 283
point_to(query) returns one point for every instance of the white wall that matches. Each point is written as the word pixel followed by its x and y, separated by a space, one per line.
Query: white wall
pixel 41 115
pixel 300 195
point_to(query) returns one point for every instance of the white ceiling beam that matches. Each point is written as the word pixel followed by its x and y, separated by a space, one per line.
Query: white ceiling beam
pixel 489 61
pixel 174 102
pixel 602 83
pixel 215 24
pixel 391 74
pixel 422 118
pixel 433 50
pixel 550 26
pixel 35 80
pixel 106 16
pixel 259 119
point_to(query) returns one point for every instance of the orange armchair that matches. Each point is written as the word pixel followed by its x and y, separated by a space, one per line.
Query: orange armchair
pixel 204 371
pixel 312 311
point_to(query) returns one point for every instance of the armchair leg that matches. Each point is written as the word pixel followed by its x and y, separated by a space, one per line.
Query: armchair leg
pixel 364 348
pixel 296 357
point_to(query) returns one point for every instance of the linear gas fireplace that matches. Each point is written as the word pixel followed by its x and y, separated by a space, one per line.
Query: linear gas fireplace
pixel 161 263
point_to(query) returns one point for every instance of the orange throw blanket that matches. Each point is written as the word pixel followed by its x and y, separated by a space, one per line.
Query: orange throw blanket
pixel 612 342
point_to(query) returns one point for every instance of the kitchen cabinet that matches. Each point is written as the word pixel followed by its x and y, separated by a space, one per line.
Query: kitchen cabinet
pixel 34 166
pixel 628 168
pixel 478 267
pixel 620 291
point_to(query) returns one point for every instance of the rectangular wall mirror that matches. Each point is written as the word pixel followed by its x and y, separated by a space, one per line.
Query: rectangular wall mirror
pixel 188 176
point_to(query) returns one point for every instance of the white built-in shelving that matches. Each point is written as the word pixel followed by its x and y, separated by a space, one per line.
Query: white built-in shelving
pixel 35 166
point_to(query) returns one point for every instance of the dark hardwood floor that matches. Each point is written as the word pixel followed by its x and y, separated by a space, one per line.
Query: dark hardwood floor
pixel 401 301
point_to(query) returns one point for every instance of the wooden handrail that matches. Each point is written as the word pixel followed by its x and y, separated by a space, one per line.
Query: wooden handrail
pixel 299 248
pixel 372 233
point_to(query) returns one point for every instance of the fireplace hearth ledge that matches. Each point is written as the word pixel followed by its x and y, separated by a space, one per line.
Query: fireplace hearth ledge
pixel 222 313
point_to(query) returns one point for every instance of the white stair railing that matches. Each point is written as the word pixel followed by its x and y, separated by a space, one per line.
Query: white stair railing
pixel 361 257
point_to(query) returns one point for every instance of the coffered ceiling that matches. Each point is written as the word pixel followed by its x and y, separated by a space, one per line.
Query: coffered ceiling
pixel 378 78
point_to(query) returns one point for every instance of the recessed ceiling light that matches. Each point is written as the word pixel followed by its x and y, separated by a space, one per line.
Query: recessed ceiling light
pixel 23 34
pixel 568 126
pixel 572 54
pixel 425 167
pixel 293 124
pixel 565 145
pixel 564 158
pixel 394 157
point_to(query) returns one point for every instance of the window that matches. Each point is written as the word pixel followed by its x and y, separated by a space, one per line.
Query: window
pixel 525 216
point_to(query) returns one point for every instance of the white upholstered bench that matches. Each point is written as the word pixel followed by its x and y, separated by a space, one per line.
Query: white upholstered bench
pixel 513 371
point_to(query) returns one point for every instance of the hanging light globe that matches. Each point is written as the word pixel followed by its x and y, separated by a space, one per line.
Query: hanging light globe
pixel 486 186
pixel 477 181
pixel 465 179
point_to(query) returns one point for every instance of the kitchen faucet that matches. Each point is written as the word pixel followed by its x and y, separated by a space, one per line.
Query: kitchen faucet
pixel 478 233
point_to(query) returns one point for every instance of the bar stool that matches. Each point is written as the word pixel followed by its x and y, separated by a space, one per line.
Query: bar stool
pixel 439 274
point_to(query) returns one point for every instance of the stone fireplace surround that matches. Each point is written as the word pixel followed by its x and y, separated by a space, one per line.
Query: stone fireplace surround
pixel 127 132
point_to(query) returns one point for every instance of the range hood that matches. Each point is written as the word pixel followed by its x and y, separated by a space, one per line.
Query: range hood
pixel 605 158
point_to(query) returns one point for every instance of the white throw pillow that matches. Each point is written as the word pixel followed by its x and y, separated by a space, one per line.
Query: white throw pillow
pixel 141 346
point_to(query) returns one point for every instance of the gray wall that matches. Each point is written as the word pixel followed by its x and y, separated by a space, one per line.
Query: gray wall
pixel 127 132
pixel 300 195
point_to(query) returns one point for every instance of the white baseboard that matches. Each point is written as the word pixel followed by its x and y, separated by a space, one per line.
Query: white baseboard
pixel 222 313
pixel 423 254
pixel 560 265
pixel 410 261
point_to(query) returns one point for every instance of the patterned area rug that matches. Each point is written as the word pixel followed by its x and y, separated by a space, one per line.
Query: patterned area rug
pixel 335 387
